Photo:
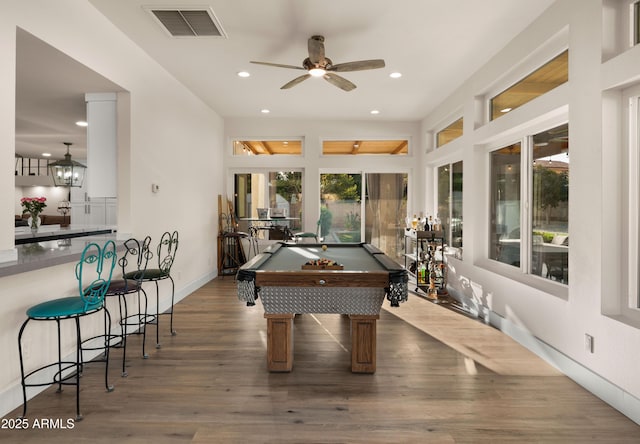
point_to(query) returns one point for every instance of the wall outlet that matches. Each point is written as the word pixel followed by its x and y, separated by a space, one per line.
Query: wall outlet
pixel 588 343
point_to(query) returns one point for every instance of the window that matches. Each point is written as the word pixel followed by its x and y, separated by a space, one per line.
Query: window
pixel 262 190
pixel 542 80
pixel 505 205
pixel 344 214
pixel 550 205
pixel 636 23
pixel 450 203
pixel 340 207
pixel 451 132
pixel 356 147
pixel 266 147
pixel 385 211
pixel 530 207
pixel 631 111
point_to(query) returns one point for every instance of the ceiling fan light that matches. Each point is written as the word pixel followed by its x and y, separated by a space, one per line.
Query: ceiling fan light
pixel 317 72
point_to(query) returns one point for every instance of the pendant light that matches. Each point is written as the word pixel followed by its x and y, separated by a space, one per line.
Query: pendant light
pixel 67 172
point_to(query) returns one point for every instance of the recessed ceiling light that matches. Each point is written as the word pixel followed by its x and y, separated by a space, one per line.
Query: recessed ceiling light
pixel 395 75
pixel 82 123
pixel 265 111
pixel 375 111
pixel 46 154
pixel 243 74
pixel 505 110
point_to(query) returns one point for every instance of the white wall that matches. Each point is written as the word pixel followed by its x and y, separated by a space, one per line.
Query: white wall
pixel 174 140
pixel 547 318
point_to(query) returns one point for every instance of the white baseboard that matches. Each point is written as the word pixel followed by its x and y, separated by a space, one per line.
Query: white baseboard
pixel 616 397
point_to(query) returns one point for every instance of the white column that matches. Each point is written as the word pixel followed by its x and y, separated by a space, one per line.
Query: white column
pixel 101 144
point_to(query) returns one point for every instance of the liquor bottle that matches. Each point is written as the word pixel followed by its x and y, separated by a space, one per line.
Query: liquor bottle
pixel 414 222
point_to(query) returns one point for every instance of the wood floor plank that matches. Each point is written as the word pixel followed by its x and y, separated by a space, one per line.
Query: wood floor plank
pixel 440 378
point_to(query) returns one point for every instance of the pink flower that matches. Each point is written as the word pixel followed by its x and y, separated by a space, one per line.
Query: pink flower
pixel 33 205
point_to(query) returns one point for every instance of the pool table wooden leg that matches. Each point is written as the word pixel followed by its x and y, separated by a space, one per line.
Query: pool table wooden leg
pixel 279 342
pixel 363 343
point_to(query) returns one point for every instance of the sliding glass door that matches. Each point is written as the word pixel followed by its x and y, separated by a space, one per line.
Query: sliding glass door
pixel 367 207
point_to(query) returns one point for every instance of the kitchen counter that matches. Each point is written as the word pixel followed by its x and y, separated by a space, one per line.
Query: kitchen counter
pixel 44 251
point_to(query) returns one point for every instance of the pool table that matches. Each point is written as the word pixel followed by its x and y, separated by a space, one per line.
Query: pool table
pixel 356 286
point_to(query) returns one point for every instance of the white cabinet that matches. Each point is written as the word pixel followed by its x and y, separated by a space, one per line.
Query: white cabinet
pixel 96 211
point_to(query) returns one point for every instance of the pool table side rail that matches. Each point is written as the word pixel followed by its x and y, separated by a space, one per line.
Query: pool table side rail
pixel 395 279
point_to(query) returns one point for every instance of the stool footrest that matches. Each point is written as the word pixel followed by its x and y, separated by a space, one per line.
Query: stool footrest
pixel 57 378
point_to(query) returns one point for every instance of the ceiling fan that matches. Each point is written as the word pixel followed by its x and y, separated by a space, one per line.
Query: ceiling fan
pixel 317 65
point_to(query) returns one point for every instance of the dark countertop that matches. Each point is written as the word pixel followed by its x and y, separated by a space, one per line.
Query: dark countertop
pixel 48 253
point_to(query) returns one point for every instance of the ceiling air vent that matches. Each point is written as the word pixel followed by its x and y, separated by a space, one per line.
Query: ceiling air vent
pixel 200 22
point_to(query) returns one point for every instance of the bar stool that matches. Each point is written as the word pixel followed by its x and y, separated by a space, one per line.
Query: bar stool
pixel 133 262
pixel 93 274
pixel 167 249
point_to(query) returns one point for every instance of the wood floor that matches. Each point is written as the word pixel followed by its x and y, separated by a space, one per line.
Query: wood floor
pixel 441 378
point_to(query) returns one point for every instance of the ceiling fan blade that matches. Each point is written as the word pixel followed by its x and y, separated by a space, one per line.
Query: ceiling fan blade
pixel 338 81
pixel 316 49
pixel 278 65
pixel 358 66
pixel 295 81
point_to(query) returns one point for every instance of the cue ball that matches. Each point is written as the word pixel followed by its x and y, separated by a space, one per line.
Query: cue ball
pixel 324 248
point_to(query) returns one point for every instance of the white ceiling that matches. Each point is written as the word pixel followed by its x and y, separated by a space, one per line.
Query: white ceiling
pixel 435 44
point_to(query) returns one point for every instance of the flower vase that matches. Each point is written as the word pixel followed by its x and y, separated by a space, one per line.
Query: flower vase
pixel 34 222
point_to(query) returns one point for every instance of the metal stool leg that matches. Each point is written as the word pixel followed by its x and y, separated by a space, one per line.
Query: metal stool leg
pixel 22 379
pixel 158 345
pixel 124 315
pixel 173 289
pixel 143 320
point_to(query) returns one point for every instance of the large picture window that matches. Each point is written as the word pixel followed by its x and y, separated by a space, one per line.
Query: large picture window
pixel 529 226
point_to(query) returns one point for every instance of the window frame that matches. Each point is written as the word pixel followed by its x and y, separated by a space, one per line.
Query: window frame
pixel 451 122
pixel 233 172
pixel 542 62
pixel 635 22
pixel 521 274
pixel 268 139
pixel 630 304
pixel 454 251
